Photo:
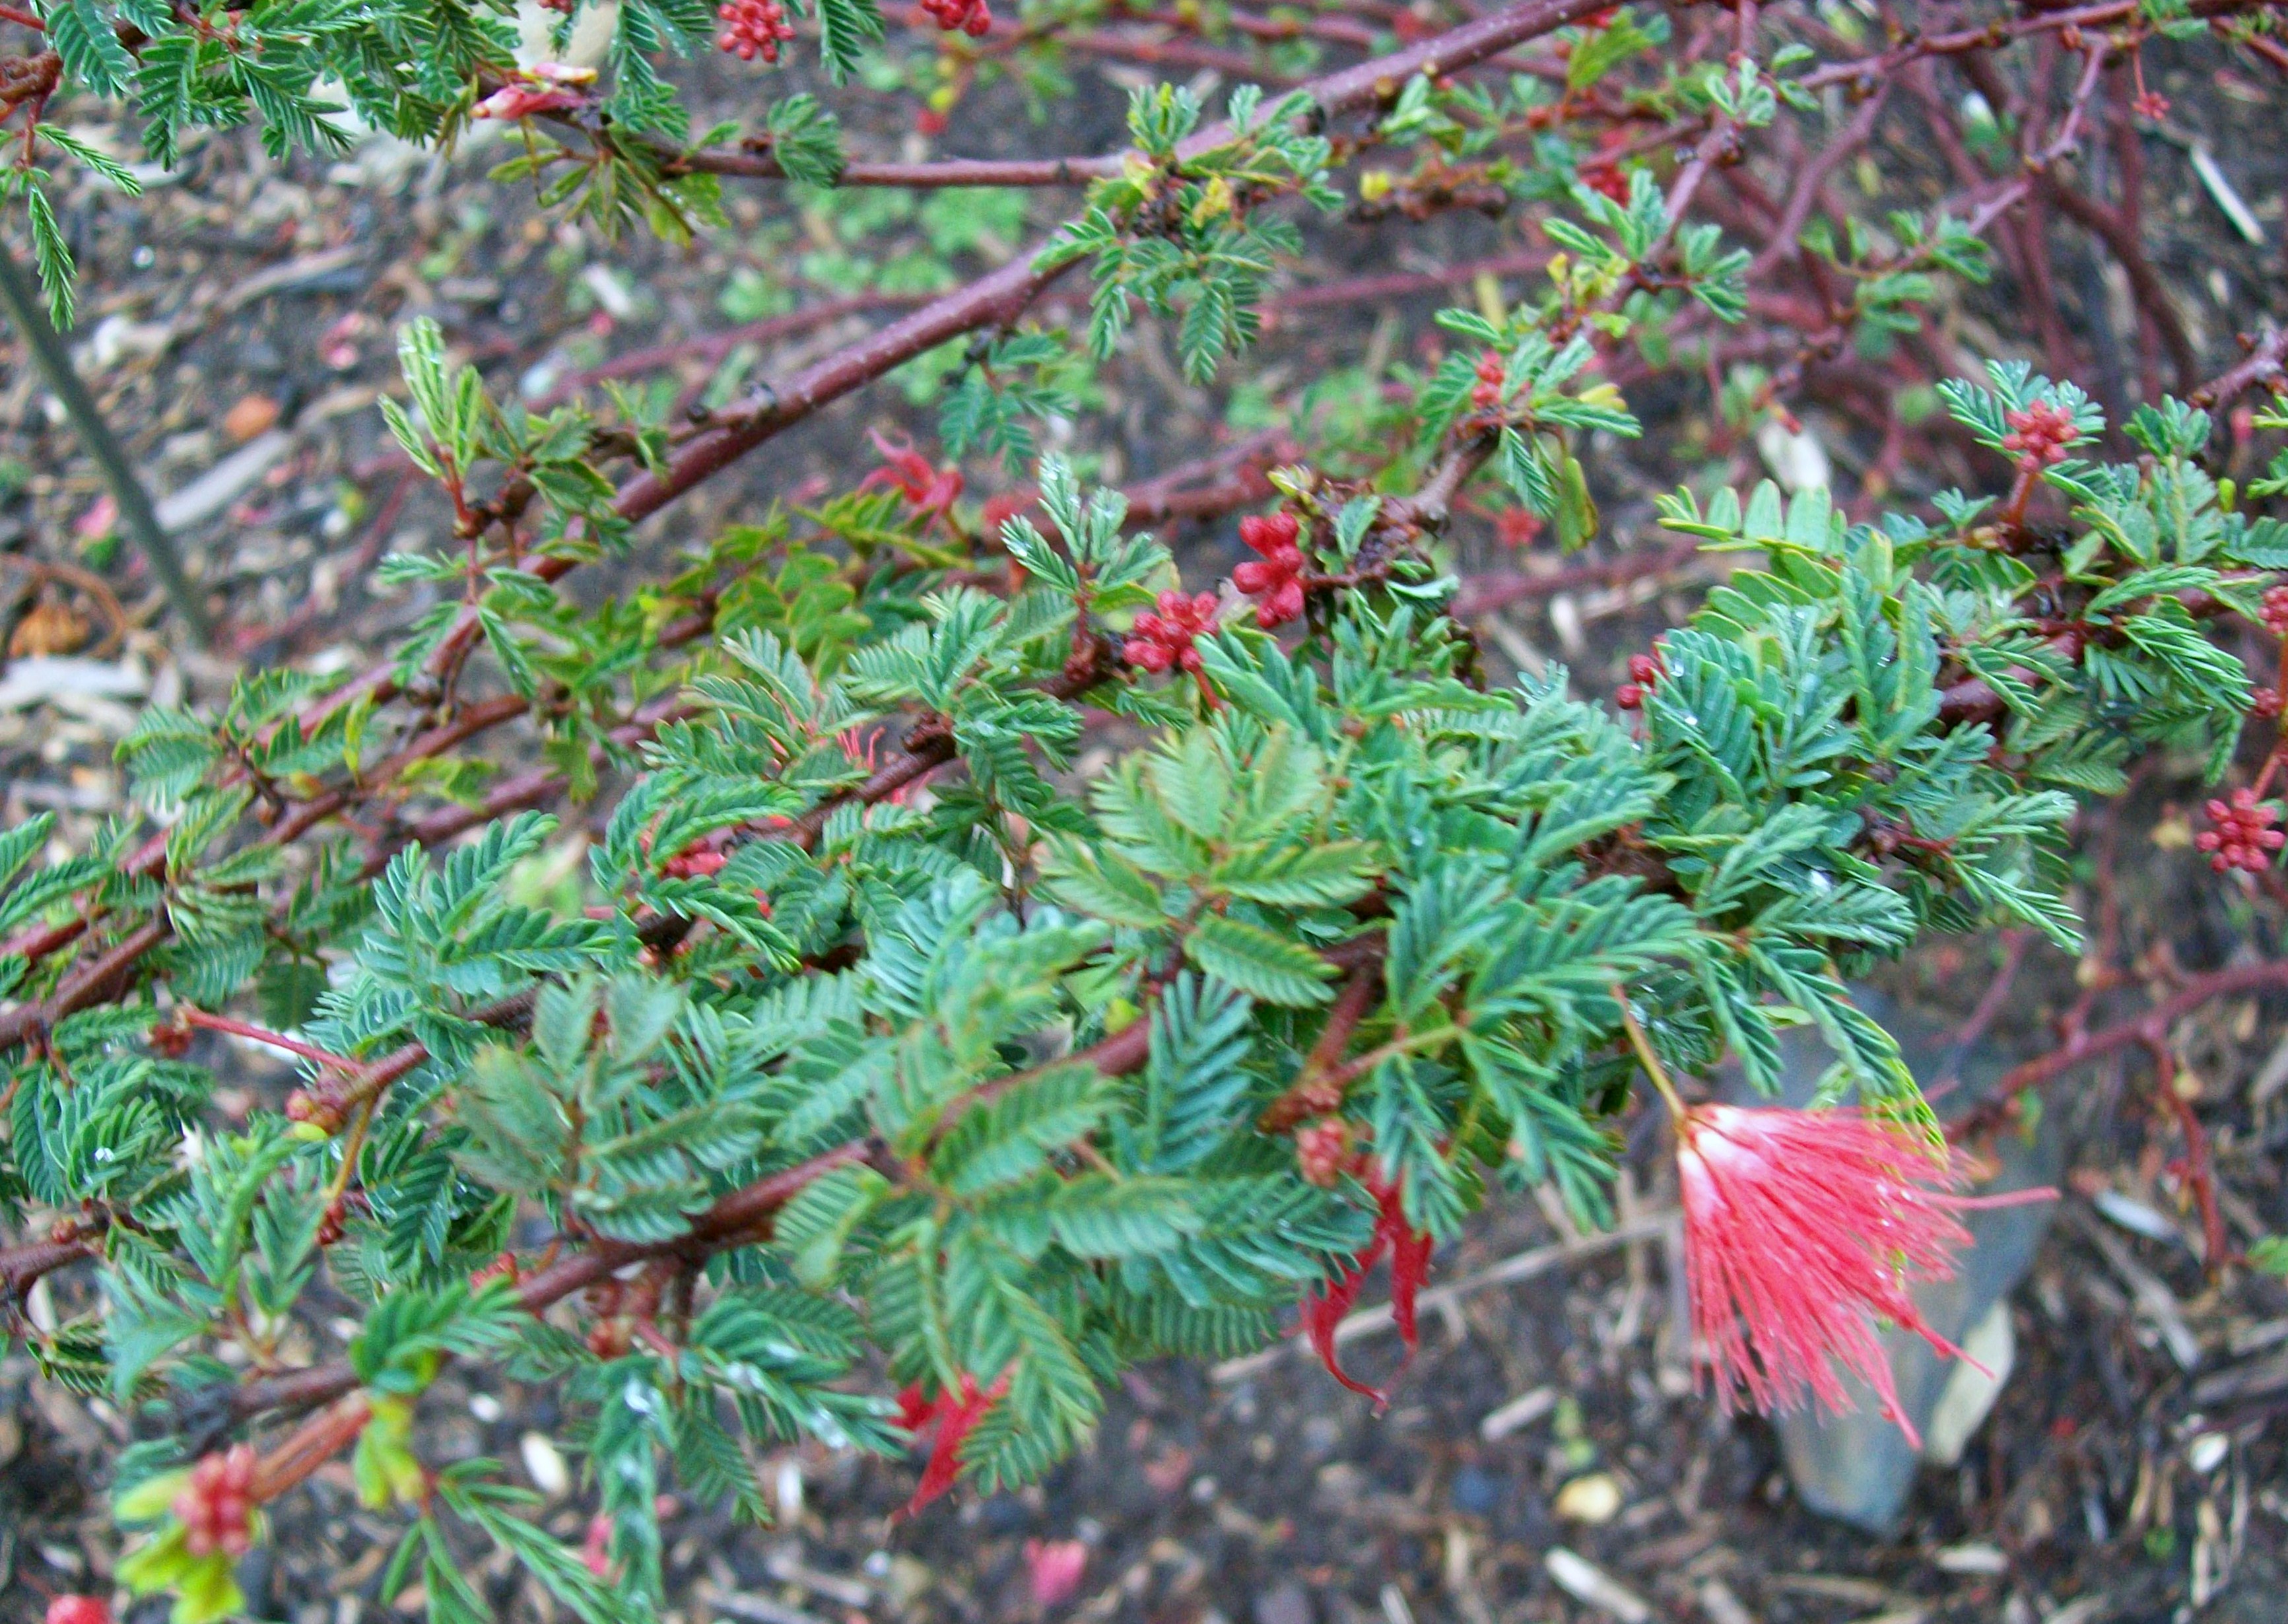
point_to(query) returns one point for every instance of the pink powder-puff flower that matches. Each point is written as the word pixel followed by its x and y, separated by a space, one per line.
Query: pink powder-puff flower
pixel 1801 1230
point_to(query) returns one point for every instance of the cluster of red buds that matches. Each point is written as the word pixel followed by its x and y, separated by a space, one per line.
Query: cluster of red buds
pixel 1644 672
pixel 78 1610
pixel 2040 435
pixel 335 1220
pixel 1274 577
pixel 2274 610
pixel 2264 704
pixel 970 17
pixel 752 29
pixel 693 861
pixel 1159 642
pixel 2244 836
pixel 318 1106
pixel 1605 176
pixel 216 1506
pixel 2150 105
pixel 1516 527
pixel 170 1040
pixel 1326 1148
pixel 1486 394
pixel 619 1305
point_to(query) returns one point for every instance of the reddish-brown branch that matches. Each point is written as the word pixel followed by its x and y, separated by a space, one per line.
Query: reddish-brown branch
pixel 1318 1089
pixel 2082 1047
pixel 2145 286
pixel 308 1448
pixel 264 1035
pixel 2200 1170
pixel 1402 285
pixel 940 172
pixel 1482 594
pixel 91 983
pixel 713 346
pixel 2262 367
pixel 1914 48
pixel 1811 176
pixel 22 1265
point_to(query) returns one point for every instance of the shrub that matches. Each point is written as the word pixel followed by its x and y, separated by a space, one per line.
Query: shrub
pixel 879 1078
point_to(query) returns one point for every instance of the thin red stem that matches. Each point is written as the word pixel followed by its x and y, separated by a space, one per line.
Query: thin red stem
pixel 264 1035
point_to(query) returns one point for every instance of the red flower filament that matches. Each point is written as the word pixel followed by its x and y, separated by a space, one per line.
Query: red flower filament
pixel 1801 1227
pixel 1274 577
pixel 927 488
pixel 1158 641
pixel 955 1416
pixel 2244 836
pixel 1325 1306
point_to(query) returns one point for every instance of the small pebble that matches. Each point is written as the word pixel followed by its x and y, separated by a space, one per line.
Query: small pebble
pixel 1287 1604
pixel 1595 1498
pixel 1475 1491
pixel 543 1463
pixel 1584 1582
pixel 253 414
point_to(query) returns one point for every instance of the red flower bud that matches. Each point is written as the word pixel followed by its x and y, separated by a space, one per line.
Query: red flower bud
pixel 2244 837
pixel 216 1506
pixel 2040 435
pixel 1275 577
pixel 1158 641
pixel 752 29
pixel 2276 611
